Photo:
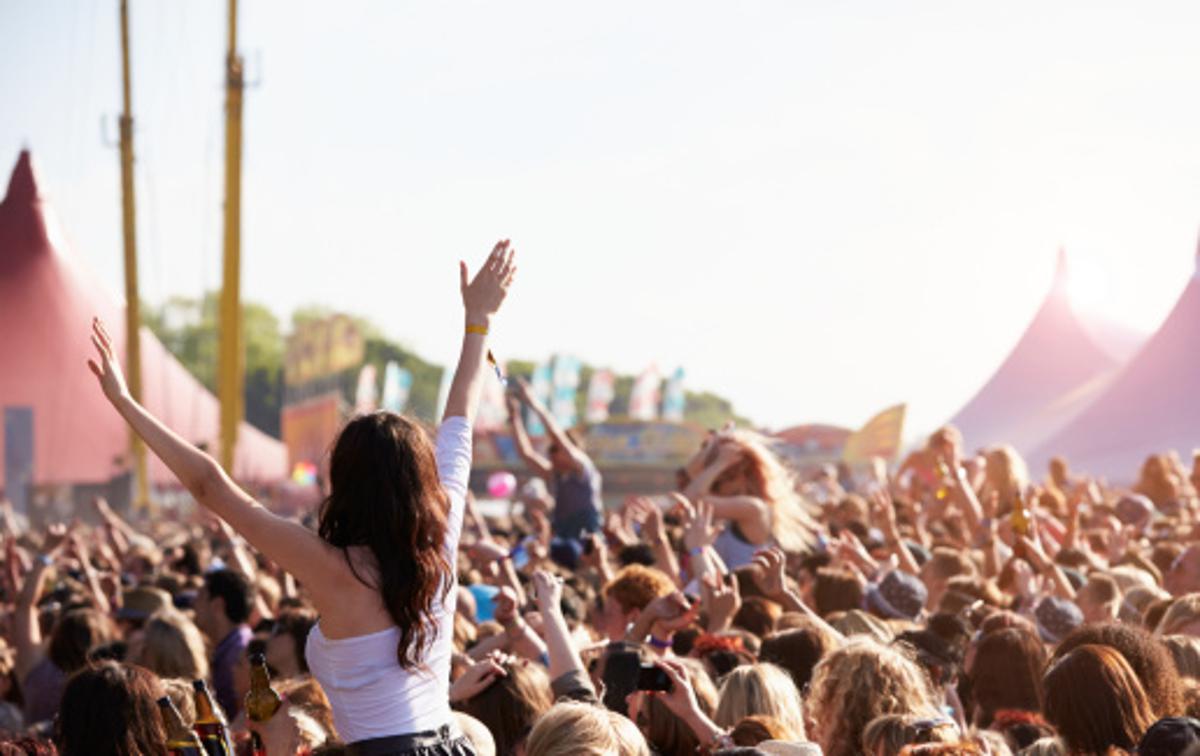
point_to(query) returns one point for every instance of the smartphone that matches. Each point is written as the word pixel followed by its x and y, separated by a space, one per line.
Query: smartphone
pixel 653 677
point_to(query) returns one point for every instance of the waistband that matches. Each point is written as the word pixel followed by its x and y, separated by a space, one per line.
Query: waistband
pixel 395 744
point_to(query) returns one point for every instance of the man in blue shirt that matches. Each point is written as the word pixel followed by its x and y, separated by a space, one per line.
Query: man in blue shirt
pixel 222 608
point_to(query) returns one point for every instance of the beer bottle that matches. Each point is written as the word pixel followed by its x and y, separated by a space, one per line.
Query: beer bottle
pixel 1020 517
pixel 262 701
pixel 180 740
pixel 257 748
pixel 210 722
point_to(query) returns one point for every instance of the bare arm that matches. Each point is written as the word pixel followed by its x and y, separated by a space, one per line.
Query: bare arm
pixel 482 297
pixel 563 655
pixel 27 632
pixel 556 432
pixel 293 546
pixel 536 462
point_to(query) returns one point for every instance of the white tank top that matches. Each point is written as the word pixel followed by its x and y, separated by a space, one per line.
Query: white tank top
pixel 371 694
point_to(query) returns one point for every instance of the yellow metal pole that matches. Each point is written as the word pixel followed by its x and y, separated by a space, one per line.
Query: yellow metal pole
pixel 133 349
pixel 230 360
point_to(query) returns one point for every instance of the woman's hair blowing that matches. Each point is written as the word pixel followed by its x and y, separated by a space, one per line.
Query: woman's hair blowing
pixel 385 495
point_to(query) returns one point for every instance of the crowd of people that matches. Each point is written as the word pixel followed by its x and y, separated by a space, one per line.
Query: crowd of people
pixel 954 605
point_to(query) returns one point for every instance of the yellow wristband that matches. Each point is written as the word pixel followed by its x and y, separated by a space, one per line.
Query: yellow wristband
pixel 481 330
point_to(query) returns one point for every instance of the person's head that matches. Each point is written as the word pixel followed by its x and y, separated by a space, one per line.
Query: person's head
pixel 797 651
pixel 944 563
pixel 666 732
pixel 110 708
pixel 627 594
pixel 385 496
pixel 224 602
pixel 510 706
pixel 560 458
pixel 1099 599
pixel 1005 472
pixel 1060 473
pixel 837 590
pixel 1148 658
pixel 1095 701
pixel 858 682
pixel 757 615
pixel 754 729
pixel 285 647
pixel 171 645
pixel 1005 672
pixel 1185 651
pixel 945 443
pixel 1170 736
pixel 886 735
pixel 760 689
pixel 75 634
pixel 1182 617
pixel 1158 480
pixel 474 730
pixel 898 596
pixel 578 729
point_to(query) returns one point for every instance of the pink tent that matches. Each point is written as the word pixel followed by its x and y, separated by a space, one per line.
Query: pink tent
pixel 1151 406
pixel 46 305
pixel 1051 375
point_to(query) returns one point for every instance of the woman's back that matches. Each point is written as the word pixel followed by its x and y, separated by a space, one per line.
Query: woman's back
pixel 371 694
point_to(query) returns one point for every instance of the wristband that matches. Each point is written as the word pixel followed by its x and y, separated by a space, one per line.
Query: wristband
pixel 482 330
pixel 696 551
pixel 660 644
pixel 44 560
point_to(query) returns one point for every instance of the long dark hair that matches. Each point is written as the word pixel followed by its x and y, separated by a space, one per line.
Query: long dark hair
pixel 110 708
pixel 385 495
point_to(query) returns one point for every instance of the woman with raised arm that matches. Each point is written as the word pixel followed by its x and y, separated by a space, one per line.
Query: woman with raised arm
pixel 380 568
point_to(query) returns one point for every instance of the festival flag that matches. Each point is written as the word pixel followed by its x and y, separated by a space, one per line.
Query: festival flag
pixel 880 437
pixel 397 383
pixel 367 395
pixel 674 400
pixel 540 386
pixel 565 378
pixel 600 395
pixel 643 399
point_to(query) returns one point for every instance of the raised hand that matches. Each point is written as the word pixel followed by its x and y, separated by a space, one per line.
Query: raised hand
pixel 700 530
pixel 108 369
pixel 548 590
pixel 483 295
pixel 479 676
pixel 721 601
pixel 770 575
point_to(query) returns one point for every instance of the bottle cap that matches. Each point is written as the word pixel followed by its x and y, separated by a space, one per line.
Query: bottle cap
pixel 257 659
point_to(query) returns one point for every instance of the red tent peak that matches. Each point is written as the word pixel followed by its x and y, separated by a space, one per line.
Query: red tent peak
pixel 22 186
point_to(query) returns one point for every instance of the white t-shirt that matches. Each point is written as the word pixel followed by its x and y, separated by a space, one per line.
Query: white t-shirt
pixel 371 694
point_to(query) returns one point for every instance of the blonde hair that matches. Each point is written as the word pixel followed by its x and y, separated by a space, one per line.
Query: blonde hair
pixel 761 688
pixel 857 683
pixel 891 732
pixel 578 729
pixel 764 476
pixel 1182 612
pixel 1185 650
pixel 1045 747
pixel 172 646
pixel 1006 472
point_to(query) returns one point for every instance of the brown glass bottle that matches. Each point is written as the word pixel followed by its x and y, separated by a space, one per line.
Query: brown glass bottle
pixel 262 701
pixel 180 740
pixel 210 722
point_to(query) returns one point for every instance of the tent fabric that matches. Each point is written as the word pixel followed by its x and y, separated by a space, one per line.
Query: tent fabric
pixel 1149 407
pixel 1056 369
pixel 46 305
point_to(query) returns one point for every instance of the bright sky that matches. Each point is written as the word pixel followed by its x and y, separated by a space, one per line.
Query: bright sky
pixel 819 209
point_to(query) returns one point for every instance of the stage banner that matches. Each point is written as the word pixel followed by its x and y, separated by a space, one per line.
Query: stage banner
pixel 366 396
pixel 541 386
pixel 319 348
pixel 397 383
pixel 674 399
pixel 643 399
pixel 565 378
pixel 880 437
pixel 18 456
pixel 308 428
pixel 601 391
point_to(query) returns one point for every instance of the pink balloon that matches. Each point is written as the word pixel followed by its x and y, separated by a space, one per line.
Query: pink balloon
pixel 501 485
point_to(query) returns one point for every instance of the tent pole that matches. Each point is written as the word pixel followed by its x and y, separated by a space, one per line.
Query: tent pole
pixel 231 359
pixel 133 348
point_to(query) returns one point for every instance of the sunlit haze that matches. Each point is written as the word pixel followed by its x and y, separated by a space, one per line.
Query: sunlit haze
pixel 818 209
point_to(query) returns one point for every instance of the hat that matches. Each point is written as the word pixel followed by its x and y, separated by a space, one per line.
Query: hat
pixel 1169 737
pixel 1134 509
pixel 1056 617
pixel 566 552
pixel 899 595
pixel 140 603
